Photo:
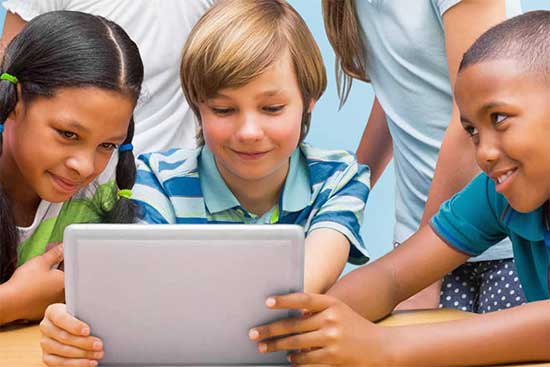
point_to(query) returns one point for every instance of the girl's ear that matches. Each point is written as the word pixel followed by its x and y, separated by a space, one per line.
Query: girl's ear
pixel 311 105
pixel 18 105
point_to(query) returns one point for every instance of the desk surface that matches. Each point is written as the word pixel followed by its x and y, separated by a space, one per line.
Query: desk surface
pixel 20 345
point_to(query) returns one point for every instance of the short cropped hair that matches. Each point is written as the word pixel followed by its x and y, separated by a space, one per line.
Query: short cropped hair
pixel 237 40
pixel 524 39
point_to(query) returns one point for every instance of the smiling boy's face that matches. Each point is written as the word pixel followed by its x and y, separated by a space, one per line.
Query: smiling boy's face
pixel 506 111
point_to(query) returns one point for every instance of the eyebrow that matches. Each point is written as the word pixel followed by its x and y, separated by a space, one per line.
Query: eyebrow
pixel 73 124
pixel 487 106
pixel 267 93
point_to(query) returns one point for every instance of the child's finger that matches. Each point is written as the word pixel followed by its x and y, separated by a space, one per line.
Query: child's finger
pixel 308 301
pixel 58 315
pixel 286 327
pixel 52 346
pixel 51 360
pixel 54 256
pixel 88 343
pixel 314 339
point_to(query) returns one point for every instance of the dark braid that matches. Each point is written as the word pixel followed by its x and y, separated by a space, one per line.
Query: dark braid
pixel 67 49
pixel 125 209
pixel 8 230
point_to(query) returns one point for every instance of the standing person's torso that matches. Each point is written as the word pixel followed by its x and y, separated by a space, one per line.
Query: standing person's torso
pixel 160 28
pixel 407 65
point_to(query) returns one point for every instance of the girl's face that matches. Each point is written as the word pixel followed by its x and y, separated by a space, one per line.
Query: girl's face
pixel 253 130
pixel 58 145
pixel 506 110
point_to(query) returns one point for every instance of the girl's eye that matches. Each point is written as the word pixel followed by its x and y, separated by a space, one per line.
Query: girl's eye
pixel 498 117
pixel 108 146
pixel 67 134
pixel 274 108
pixel 222 110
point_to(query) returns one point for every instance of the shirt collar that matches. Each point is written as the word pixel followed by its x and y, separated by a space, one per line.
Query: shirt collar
pixel 217 196
pixel 526 225
pixel 297 190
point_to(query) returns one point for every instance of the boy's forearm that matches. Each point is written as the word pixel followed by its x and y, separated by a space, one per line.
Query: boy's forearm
pixel 519 334
pixel 326 253
pixel 369 290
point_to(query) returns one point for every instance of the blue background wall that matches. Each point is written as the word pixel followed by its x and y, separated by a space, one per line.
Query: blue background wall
pixel 342 129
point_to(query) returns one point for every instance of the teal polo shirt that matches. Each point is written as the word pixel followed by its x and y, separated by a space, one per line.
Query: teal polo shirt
pixel 479 217
pixel 219 199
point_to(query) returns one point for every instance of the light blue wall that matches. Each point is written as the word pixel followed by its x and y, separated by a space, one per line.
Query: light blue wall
pixel 342 129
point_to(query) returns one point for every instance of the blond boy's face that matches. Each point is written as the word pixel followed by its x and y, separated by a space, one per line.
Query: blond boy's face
pixel 506 111
pixel 253 130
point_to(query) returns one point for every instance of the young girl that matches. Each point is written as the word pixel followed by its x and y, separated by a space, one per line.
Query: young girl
pixel 409 51
pixel 253 85
pixel 503 92
pixel 68 85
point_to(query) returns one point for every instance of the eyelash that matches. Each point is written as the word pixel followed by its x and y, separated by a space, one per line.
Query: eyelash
pixel 494 117
pixel 227 111
pixel 470 131
pixel 64 134
pixel 109 146
pixel 68 135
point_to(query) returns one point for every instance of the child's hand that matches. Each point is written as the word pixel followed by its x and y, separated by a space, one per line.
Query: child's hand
pixel 37 284
pixel 334 334
pixel 66 341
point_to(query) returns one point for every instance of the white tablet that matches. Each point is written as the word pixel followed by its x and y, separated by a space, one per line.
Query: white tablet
pixel 180 295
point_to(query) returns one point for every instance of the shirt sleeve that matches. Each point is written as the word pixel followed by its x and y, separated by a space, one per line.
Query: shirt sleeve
pixel 148 193
pixel 28 9
pixel 470 221
pixel 444 5
pixel 344 208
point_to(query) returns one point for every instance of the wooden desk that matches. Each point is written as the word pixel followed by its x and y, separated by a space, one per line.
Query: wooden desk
pixel 20 345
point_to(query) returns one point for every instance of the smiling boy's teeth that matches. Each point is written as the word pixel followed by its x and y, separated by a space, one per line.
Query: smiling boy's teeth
pixel 502 178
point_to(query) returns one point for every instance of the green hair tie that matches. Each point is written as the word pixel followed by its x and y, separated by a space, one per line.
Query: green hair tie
pixel 10 78
pixel 124 193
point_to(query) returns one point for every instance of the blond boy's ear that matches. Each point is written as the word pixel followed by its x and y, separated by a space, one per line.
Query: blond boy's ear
pixel 311 105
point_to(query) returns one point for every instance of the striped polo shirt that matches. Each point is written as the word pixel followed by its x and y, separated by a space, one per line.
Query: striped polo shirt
pixel 323 189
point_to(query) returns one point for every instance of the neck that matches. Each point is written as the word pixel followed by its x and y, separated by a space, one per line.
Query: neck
pixel 260 195
pixel 23 199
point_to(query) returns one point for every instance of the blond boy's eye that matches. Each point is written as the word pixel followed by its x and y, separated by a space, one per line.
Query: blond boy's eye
pixel 274 108
pixel 221 110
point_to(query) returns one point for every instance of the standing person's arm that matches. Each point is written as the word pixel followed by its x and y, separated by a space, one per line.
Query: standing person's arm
pixel 456 165
pixel 375 148
pixel 13 24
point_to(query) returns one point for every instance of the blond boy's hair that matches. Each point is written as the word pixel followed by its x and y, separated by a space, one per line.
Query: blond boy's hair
pixel 237 40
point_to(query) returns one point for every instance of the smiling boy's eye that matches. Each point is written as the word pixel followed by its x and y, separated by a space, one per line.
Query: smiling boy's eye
pixel 472 131
pixel 274 108
pixel 67 134
pixel 498 117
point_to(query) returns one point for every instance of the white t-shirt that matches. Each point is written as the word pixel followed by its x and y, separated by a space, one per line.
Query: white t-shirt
pixel 407 65
pixel 160 29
